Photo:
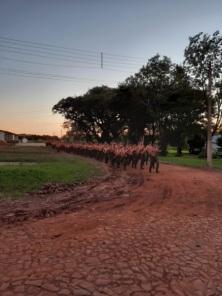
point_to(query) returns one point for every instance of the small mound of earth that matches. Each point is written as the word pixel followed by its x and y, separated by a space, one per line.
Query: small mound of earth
pixel 56 187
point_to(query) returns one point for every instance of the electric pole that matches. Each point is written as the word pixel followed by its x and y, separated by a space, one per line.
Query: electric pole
pixel 101 60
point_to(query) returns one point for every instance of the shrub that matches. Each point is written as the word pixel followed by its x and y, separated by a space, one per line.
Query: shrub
pixel 203 154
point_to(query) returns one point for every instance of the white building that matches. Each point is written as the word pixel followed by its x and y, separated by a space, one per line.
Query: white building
pixel 8 137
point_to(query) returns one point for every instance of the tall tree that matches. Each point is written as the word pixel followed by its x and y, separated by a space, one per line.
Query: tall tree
pixel 155 78
pixel 203 57
pixel 130 103
pixel 185 108
pixel 93 114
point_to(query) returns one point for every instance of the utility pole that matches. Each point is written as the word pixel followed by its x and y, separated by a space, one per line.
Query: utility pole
pixel 209 118
pixel 101 60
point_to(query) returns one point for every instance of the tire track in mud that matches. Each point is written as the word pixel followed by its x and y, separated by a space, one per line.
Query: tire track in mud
pixel 114 185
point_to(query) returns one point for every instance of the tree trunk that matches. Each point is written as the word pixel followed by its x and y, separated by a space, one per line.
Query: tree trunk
pixel 209 120
pixel 179 151
pixel 163 142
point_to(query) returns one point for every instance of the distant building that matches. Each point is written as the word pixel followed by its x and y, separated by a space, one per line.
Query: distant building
pixel 8 137
pixel 24 140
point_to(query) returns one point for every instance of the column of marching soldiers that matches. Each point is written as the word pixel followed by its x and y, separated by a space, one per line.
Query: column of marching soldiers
pixel 117 155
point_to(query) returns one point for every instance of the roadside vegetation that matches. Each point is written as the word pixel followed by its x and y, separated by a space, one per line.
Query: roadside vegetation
pixel 39 166
pixel 189 160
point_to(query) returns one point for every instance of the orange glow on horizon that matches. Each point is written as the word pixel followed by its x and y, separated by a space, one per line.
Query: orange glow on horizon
pixel 44 125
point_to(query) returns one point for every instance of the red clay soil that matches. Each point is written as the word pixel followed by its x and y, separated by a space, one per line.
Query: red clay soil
pixel 129 233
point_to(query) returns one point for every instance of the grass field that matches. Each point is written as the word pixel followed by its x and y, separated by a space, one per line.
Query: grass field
pixel 47 166
pixel 189 160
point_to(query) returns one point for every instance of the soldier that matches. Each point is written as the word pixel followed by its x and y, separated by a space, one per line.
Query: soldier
pixel 115 154
pixel 154 161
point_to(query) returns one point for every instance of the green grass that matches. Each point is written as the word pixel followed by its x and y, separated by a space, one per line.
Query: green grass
pixel 188 160
pixel 50 167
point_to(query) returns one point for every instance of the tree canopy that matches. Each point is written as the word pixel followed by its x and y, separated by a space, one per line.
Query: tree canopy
pixel 203 59
pixel 163 101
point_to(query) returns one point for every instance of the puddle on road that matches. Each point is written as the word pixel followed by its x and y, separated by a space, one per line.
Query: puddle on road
pixel 5 163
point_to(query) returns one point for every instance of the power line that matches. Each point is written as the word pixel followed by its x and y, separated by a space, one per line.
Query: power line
pixel 52 49
pixel 80 58
pixel 120 56
pixel 47 45
pixel 73 58
pixel 63 58
pixel 114 63
pixel 47 50
pixel 23 47
pixel 46 54
pixel 42 77
pixel 36 77
pixel 60 65
pixel 19 72
pixel 67 48
pixel 45 64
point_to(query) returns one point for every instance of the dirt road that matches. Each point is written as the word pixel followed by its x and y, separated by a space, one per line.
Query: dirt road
pixel 130 234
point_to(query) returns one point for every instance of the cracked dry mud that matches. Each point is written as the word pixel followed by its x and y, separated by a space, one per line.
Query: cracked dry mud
pixel 130 233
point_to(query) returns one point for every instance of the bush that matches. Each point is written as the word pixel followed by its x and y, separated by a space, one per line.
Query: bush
pixel 219 141
pixel 203 154
pixel 196 144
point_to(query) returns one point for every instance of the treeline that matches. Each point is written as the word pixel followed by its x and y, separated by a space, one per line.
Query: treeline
pixel 163 102
pixel 38 138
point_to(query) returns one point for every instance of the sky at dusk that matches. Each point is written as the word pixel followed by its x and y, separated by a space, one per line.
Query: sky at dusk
pixel 51 49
